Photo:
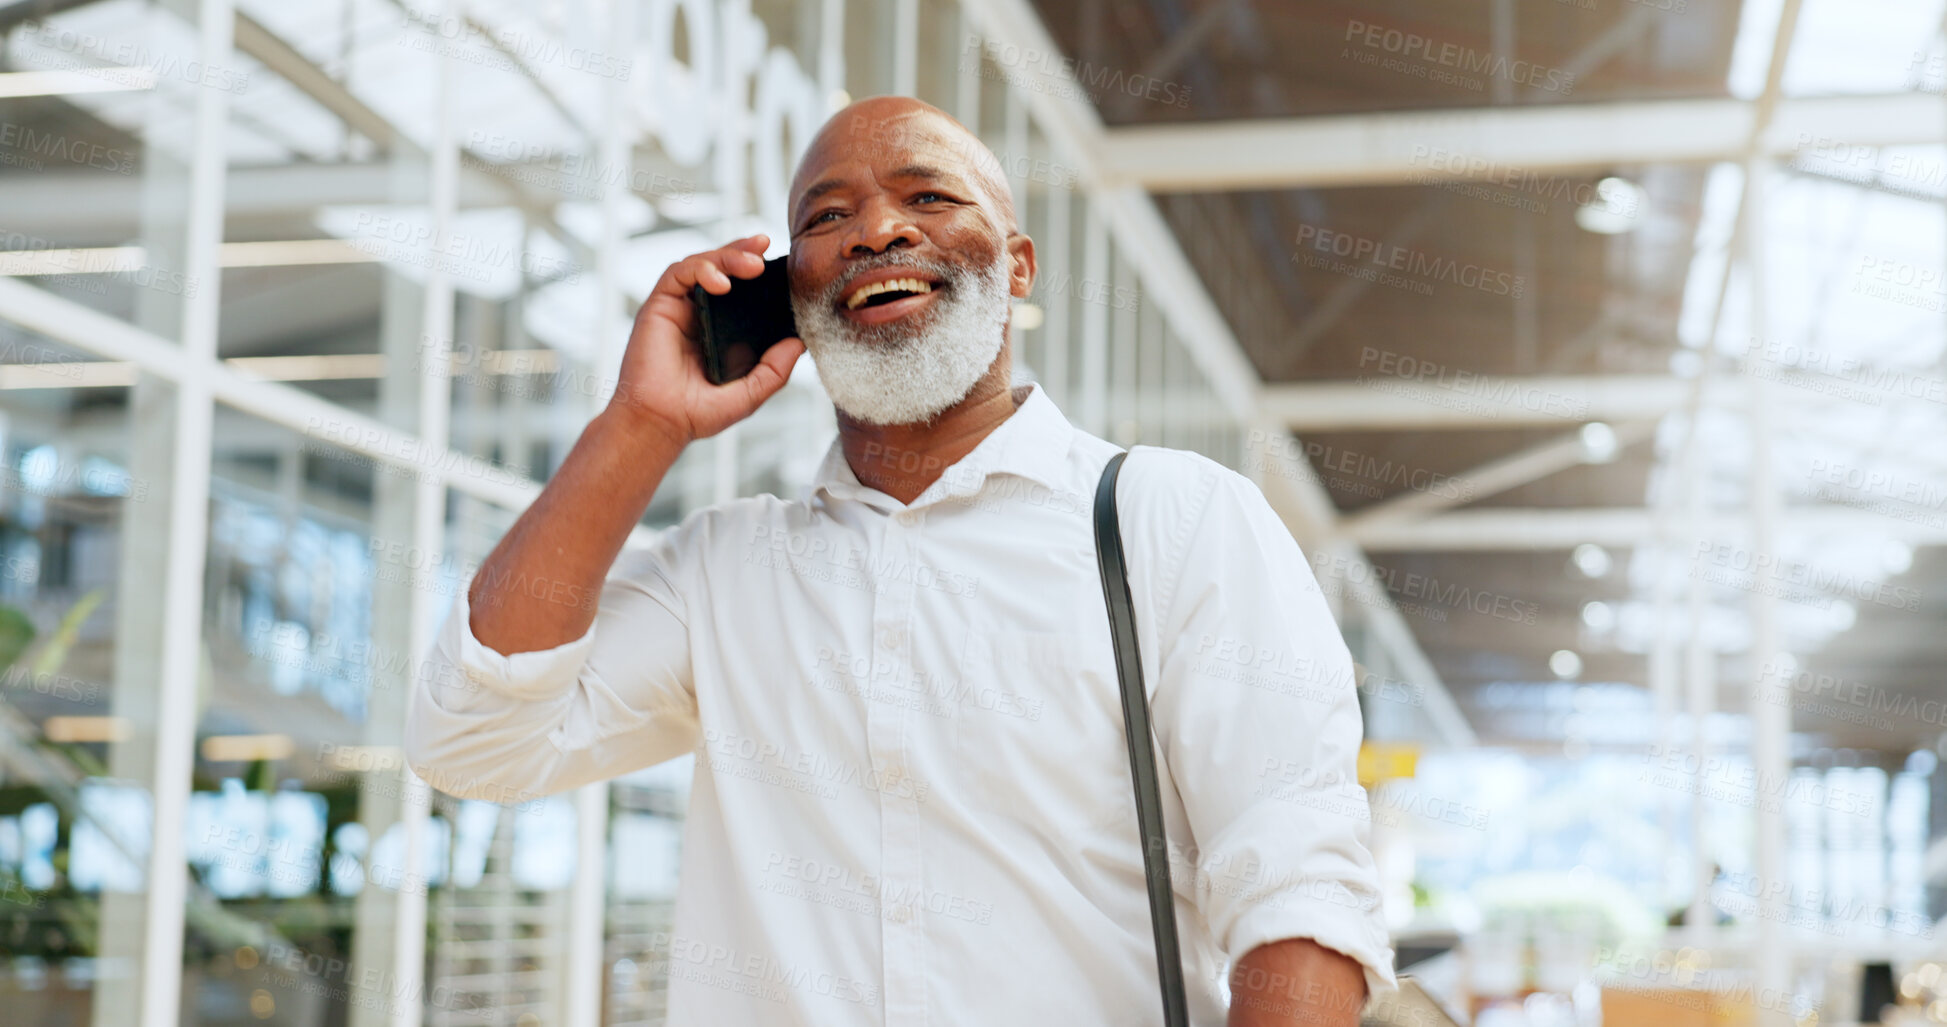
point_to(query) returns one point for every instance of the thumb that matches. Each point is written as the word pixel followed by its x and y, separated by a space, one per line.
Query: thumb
pixel 772 371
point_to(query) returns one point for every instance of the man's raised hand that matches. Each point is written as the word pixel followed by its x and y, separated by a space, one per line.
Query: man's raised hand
pixel 662 386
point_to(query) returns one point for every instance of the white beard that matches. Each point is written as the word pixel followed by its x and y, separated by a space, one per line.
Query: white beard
pixel 908 371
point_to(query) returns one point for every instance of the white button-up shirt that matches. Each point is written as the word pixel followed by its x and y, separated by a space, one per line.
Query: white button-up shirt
pixel 912 801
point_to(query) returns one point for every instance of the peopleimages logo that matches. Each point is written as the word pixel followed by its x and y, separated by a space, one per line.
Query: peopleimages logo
pixel 1419 264
pixel 1488 395
pixel 1083 73
pixel 130 64
pixel 508 48
pixel 1462 58
pixel 62 149
pixel 1358 473
pixel 1797 581
pixel 1873 699
pixel 1451 168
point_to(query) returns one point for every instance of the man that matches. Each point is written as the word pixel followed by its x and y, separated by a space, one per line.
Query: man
pixel 912 801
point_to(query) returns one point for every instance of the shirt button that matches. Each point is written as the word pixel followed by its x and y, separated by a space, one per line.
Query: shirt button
pixel 901 914
pixel 889 638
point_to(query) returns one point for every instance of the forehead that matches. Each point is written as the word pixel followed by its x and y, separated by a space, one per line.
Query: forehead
pixel 884 143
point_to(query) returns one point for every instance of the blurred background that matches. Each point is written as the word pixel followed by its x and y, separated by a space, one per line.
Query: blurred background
pixel 1592 349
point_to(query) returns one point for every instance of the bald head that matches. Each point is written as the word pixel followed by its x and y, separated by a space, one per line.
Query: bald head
pixel 900 133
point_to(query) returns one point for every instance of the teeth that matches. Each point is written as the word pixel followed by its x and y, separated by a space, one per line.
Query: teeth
pixel 857 299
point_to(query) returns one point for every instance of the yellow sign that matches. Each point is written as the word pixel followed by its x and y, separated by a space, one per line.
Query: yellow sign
pixel 1384 761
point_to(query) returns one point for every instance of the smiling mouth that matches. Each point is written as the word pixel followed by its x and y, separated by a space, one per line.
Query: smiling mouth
pixel 891 290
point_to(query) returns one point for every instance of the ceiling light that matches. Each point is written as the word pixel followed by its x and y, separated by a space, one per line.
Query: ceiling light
pixel 247 748
pixel 1613 208
pixel 312 367
pixel 1896 556
pixel 113 259
pixel 1599 616
pixel 85 729
pixel 291 253
pixel 1599 443
pixel 89 261
pixel 363 758
pixel 15 84
pixel 1566 664
pixel 515 361
pixel 77 374
pixel 1592 560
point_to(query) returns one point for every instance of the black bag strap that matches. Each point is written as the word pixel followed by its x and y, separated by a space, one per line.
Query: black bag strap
pixel 1142 756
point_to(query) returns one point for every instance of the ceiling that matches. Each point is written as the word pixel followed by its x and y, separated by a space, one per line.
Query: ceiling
pixel 1276 261
pixel 1499 279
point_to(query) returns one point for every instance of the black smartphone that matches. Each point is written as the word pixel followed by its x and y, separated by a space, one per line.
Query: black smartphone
pixel 734 329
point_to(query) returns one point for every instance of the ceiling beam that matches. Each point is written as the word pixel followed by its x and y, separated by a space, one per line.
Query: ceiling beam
pixel 263 45
pixel 1143 238
pixel 75 324
pixel 286 62
pixel 1433 396
pixel 1499 475
pixel 21 12
pixel 1396 148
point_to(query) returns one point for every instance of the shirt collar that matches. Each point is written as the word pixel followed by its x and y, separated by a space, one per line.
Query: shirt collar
pixel 1032 443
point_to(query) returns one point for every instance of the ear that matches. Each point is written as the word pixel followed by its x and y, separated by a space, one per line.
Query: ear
pixel 1020 265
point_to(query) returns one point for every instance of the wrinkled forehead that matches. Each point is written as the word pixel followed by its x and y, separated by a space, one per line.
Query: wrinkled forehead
pixel 918 138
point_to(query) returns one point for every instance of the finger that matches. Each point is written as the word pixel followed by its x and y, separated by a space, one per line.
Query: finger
pixel 675 309
pixel 754 243
pixel 665 311
pixel 741 262
pixel 772 371
pixel 709 273
pixel 704 269
pixel 713 271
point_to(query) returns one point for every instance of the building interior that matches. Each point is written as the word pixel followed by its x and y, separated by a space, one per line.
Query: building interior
pixel 1592 353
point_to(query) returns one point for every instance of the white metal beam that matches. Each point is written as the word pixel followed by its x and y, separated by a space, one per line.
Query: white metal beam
pixel 428 520
pixel 1770 702
pixel 1443 398
pixel 1142 237
pixel 1500 475
pixel 581 999
pixel 1306 509
pixel 86 328
pixel 1401 147
pixel 179 665
pixel 67 204
pixel 1509 529
pixel 1146 242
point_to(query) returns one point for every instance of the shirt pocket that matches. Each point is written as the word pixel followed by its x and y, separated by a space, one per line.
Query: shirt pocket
pixel 1041 722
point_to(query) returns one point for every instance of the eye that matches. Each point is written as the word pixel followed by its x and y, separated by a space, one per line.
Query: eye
pixel 819 218
pixel 930 196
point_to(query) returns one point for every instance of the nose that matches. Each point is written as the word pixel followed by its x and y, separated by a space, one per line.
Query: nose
pixel 882 225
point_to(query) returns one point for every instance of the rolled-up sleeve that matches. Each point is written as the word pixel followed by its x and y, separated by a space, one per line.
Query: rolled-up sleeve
pixel 1255 706
pixel 511 728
